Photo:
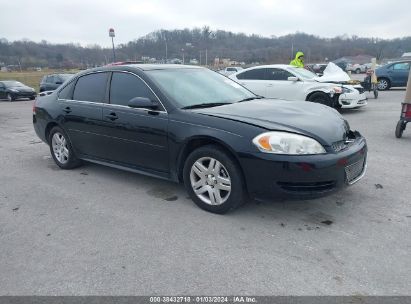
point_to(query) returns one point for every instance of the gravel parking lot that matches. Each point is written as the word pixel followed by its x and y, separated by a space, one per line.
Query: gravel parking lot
pixel 100 231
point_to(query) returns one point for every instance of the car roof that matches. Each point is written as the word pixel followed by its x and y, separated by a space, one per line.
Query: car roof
pixel 140 67
pixel 280 66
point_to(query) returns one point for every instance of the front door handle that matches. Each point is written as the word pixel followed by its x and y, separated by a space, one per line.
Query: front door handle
pixel 67 110
pixel 112 116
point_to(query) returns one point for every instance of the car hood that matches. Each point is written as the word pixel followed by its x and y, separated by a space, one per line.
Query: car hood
pixel 315 120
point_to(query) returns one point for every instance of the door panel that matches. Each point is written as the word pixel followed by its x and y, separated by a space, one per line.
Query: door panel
pixel 82 112
pixel 399 73
pixel 136 137
pixel 258 87
pixel 83 123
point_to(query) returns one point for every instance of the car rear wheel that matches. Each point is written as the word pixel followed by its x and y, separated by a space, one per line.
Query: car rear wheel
pixel 320 97
pixel 399 129
pixel 357 71
pixel 32 97
pixel 213 180
pixel 383 84
pixel 61 149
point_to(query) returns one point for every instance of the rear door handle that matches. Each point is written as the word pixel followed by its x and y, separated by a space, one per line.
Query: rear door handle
pixel 112 116
pixel 67 110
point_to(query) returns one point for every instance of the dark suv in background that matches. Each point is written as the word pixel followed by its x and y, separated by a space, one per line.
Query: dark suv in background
pixel 52 82
pixel 394 74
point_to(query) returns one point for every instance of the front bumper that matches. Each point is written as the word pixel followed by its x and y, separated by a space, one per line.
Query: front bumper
pixel 352 100
pixel 18 95
pixel 272 176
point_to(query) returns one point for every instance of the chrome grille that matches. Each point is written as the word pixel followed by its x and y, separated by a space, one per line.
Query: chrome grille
pixel 354 171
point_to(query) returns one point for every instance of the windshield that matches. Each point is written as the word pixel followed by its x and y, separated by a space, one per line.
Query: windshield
pixel 303 73
pixel 188 87
pixel 13 84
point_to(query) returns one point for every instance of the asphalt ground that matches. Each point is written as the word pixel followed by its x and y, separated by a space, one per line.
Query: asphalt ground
pixel 101 231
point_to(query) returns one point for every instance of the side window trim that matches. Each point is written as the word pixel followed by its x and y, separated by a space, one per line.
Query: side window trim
pixel 145 83
pixel 73 81
pixel 105 100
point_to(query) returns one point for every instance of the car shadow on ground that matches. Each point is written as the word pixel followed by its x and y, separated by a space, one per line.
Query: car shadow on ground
pixel 302 214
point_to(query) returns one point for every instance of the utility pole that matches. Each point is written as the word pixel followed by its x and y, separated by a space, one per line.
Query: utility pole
pixel 112 35
pixel 206 63
pixel 166 52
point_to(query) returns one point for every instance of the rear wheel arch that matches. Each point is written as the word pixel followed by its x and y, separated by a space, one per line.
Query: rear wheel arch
pixel 50 126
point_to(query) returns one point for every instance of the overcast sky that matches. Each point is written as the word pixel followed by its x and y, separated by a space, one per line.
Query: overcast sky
pixel 88 21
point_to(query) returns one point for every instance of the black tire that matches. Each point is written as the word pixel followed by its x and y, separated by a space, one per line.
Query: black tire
pixel 10 97
pixel 383 84
pixel 357 71
pixel 322 98
pixel 399 129
pixel 237 194
pixel 65 162
pixel 32 97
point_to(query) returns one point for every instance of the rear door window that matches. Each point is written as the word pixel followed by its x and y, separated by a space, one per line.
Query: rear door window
pixel 254 74
pixel 125 86
pixel 91 87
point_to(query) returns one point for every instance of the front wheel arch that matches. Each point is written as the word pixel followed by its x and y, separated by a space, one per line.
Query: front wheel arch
pixel 197 142
pixel 330 100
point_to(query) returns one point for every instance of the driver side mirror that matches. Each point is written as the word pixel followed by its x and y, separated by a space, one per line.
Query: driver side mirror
pixel 143 103
pixel 59 82
pixel 292 78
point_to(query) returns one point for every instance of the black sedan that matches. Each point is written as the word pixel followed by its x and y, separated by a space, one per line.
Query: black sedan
pixel 189 124
pixel 12 90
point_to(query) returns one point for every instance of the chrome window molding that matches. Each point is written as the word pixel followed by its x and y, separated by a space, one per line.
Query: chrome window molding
pixel 115 105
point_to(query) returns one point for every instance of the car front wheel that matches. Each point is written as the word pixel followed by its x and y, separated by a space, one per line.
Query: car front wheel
pixel 213 180
pixel 61 149
pixel 383 84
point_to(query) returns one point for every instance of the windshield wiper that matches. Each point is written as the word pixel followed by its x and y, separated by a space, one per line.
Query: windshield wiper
pixel 251 98
pixel 206 105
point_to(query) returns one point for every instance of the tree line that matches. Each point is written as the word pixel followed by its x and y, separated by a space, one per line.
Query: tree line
pixel 201 44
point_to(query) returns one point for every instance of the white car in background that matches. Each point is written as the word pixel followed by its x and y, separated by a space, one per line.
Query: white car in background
pixel 230 70
pixel 291 83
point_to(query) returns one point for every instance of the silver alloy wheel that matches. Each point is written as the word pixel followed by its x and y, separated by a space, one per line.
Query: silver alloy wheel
pixel 9 97
pixel 60 148
pixel 382 84
pixel 210 181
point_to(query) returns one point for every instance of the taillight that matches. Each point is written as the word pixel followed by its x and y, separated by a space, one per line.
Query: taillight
pixel 406 110
pixel 34 107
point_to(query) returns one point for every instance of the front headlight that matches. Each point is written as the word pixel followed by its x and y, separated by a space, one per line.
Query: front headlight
pixel 287 143
pixel 342 90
